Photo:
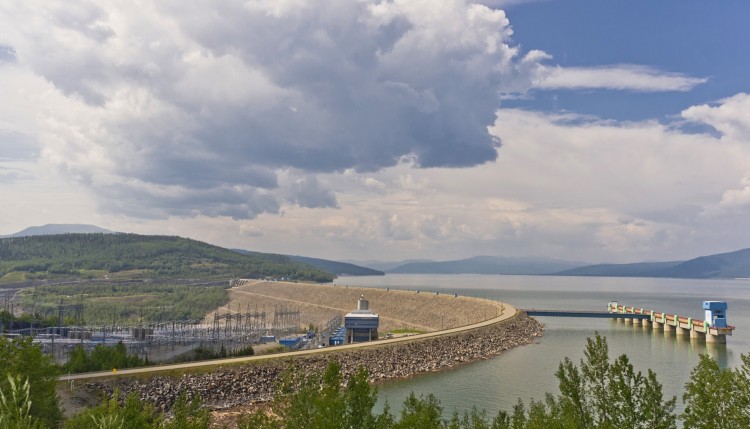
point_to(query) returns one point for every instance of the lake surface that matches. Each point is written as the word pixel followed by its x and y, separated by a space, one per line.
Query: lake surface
pixel 528 372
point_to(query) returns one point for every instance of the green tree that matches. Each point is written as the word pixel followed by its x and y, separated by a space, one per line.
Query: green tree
pixel 360 399
pixel 188 415
pixel 102 358
pixel 424 412
pixel 317 401
pixel 714 397
pixel 15 406
pixel 604 394
pixel 22 359
pixel 132 414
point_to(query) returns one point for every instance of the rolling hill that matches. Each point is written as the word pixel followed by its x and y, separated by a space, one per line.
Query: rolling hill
pixel 722 265
pixel 338 268
pixel 139 256
pixel 638 269
pixel 334 267
pixel 59 228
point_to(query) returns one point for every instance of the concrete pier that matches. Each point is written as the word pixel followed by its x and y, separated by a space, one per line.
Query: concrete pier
pixel 713 329
pixel 669 328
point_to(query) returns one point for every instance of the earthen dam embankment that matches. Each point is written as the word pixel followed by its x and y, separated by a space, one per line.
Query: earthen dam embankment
pixel 492 328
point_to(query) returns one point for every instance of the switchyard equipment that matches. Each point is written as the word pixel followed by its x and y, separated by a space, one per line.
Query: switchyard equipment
pixel 291 342
pixel 361 324
pixel 338 337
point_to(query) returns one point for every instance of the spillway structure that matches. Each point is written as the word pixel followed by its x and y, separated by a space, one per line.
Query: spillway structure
pixel 713 328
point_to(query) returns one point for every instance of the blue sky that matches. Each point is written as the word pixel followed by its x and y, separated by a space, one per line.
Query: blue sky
pixel 695 38
pixel 595 131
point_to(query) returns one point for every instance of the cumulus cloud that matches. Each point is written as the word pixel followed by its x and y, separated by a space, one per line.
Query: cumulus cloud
pixel 735 198
pixel 175 108
pixel 731 123
pixel 565 185
pixel 729 116
pixel 619 77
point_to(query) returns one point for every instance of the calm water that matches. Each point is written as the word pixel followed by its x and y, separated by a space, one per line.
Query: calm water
pixel 528 372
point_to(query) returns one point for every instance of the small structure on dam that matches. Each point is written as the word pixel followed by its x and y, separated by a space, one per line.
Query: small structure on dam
pixel 361 324
pixel 716 313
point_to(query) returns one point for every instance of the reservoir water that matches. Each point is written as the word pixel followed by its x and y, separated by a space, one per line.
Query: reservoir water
pixel 528 372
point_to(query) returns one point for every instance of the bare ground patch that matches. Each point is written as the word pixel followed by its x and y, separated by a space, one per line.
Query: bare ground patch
pixel 398 309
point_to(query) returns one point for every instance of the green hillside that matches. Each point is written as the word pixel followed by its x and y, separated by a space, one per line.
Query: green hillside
pixel 138 256
pixel 338 268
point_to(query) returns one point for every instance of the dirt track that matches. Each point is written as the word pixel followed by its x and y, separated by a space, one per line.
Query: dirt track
pixel 397 309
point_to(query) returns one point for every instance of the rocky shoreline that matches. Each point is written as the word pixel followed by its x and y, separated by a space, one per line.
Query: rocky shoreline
pixel 229 387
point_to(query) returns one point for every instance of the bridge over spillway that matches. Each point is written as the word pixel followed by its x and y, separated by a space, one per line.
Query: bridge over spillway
pixel 589 314
pixel 712 329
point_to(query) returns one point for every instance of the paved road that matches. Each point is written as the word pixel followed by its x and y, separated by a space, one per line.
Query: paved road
pixel 507 312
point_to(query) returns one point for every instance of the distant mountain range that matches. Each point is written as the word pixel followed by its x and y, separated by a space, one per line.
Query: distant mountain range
pixel 59 228
pixel 487 265
pixel 723 265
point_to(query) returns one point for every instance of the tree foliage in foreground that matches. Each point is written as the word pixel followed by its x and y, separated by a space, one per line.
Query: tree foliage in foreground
pixel 135 414
pixel 717 398
pixel 26 365
pixel 604 394
pixel 596 394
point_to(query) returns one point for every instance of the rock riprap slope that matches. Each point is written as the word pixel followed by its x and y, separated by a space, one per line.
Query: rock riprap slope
pixel 232 386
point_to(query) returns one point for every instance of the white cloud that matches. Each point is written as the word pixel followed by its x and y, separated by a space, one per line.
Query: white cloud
pixel 618 77
pixel 312 118
pixel 565 186
pixel 730 116
pixel 736 198
pixel 165 108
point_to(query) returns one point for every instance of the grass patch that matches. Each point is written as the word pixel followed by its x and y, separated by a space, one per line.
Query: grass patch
pixel 129 274
pixel 205 265
pixel 93 274
pixel 274 350
pixel 13 276
pixel 108 302
pixel 129 299
pixel 407 331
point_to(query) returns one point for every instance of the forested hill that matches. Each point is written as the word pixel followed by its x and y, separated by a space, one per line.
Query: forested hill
pixel 139 256
pixel 338 268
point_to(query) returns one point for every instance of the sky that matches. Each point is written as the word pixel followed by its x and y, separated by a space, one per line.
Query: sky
pixel 383 130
